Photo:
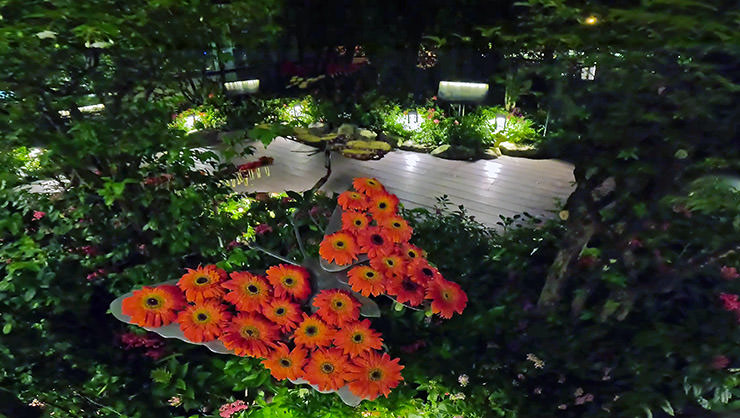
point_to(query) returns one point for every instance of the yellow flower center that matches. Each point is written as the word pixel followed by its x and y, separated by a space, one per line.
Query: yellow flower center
pixel 397 225
pixel 201 317
pixel 338 305
pixel 375 375
pixel 382 205
pixel 357 338
pixel 202 280
pixel 311 330
pixel 327 368
pixel 253 289
pixel 289 281
pixel 285 362
pixel 446 295
pixel 153 302
pixel 280 311
pixel 339 245
pixel 250 332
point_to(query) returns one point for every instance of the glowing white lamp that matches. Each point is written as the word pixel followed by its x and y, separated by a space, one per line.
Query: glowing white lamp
pixel 242 87
pixel 498 123
pixel 458 91
pixel 296 111
pixel 410 121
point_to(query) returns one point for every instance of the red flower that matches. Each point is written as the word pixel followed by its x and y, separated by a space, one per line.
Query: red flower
pixel 447 297
pixel 38 215
pixel 262 229
pixel 720 362
pixel 373 374
pixel 375 242
pixel 405 290
pixel 730 301
pixel 421 272
pixel 336 307
pixel 728 273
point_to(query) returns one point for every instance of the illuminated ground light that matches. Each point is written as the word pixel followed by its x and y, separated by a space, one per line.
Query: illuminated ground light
pixel 498 124
pixel 410 121
pixel 591 20
pixel 462 91
pixel 242 87
pixel 296 111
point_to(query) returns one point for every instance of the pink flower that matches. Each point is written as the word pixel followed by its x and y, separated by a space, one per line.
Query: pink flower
pixel 580 400
pixel 262 229
pixel 430 110
pixel 228 409
pixel 720 362
pixel 436 121
pixel 457 123
pixel 730 301
pixel 429 116
pixel 728 273
pixel 37 214
pixel 88 250
pixel 94 275
pixel 434 97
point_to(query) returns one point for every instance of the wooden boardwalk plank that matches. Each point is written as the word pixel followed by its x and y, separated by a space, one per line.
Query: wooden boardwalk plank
pixel 487 188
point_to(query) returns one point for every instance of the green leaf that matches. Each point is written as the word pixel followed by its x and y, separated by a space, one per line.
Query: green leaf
pixel 161 375
pixel 7 328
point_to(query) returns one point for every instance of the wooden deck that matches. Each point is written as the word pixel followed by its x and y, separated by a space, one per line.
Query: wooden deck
pixel 487 188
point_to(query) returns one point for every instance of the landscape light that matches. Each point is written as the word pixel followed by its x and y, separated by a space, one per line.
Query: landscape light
pixel 591 20
pixel 458 91
pixel 242 87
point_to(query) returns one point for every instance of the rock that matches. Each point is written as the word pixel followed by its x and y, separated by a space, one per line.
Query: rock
pixel 453 152
pixel 409 145
pixel 318 128
pixel 491 154
pixel 518 150
pixel 392 139
pixel 365 135
pixel 347 130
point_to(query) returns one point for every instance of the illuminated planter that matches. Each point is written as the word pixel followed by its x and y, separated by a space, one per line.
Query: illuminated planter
pixel 242 87
pixel 458 91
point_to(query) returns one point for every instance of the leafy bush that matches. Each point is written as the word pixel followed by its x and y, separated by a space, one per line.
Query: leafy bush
pixel 199 118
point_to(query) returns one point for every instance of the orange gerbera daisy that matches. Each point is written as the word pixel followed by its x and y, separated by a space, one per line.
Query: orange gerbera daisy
pixel 396 228
pixel 336 307
pixel 447 297
pixel 357 338
pixel 326 369
pixel 405 290
pixel 366 281
pixel 284 363
pixel 154 306
pixel 375 242
pixel 250 334
pixel 289 280
pixel 248 291
pixel 368 185
pixel 203 321
pixel 202 283
pixel 284 313
pixel 421 272
pixel 339 247
pixel 390 264
pixel 373 374
pixel 411 252
pixel 354 222
pixel 312 332
pixel 383 205
pixel 352 200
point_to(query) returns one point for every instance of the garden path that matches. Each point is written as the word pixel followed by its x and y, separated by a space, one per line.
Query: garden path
pixel 487 188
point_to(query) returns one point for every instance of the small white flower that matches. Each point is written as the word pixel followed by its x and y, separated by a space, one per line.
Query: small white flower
pixel 463 379
pixel 47 34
